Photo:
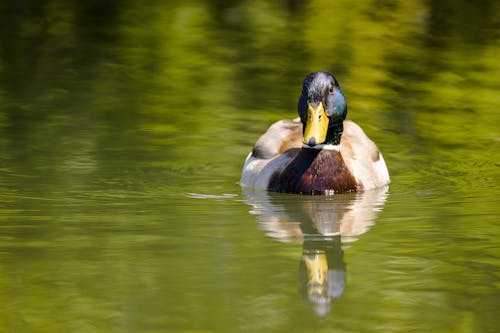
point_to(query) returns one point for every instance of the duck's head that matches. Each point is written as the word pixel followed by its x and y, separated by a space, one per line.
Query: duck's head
pixel 322 109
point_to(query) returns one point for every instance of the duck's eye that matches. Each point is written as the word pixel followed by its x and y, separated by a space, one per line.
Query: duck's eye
pixel 330 90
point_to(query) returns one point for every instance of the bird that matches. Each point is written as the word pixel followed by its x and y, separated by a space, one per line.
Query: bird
pixel 317 153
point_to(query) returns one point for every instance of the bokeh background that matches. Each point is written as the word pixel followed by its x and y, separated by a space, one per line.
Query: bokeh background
pixel 124 126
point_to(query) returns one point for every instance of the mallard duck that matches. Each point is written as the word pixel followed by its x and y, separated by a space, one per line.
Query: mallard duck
pixel 317 153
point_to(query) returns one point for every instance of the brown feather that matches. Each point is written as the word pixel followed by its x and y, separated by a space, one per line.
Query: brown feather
pixel 314 172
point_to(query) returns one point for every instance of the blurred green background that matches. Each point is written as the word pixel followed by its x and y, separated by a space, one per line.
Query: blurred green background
pixel 124 126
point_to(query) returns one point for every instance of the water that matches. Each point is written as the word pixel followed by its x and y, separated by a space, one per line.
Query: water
pixel 123 129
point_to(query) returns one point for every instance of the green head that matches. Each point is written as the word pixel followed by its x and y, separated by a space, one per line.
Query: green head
pixel 322 109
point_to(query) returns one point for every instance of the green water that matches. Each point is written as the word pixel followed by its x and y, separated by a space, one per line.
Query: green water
pixel 124 127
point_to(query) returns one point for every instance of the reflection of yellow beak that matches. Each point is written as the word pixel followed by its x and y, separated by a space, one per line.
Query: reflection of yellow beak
pixel 316 125
pixel 317 268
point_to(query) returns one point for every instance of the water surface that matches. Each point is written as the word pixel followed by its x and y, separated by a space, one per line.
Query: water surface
pixel 124 127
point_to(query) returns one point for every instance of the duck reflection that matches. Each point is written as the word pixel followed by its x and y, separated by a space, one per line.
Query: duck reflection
pixel 324 225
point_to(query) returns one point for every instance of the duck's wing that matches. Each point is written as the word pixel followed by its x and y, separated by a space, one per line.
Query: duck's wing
pixel 279 137
pixel 363 158
pixel 267 156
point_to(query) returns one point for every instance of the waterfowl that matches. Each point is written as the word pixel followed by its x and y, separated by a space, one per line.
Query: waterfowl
pixel 317 153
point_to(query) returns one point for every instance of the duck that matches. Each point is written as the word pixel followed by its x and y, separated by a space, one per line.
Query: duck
pixel 317 153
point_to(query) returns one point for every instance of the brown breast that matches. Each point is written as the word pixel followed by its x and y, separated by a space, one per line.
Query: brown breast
pixel 314 171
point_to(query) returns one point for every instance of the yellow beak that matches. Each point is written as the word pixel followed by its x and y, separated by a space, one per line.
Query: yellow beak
pixel 317 270
pixel 316 125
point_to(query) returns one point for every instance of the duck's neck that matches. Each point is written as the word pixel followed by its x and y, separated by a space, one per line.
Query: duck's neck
pixel 322 147
pixel 334 133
